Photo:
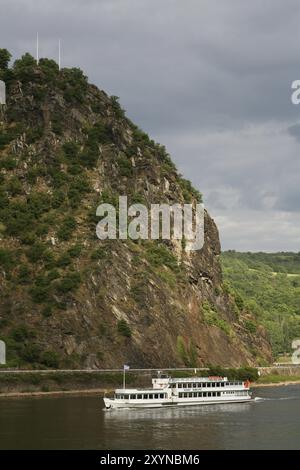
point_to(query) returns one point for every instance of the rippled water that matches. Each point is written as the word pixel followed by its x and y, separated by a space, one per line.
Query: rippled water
pixel 270 422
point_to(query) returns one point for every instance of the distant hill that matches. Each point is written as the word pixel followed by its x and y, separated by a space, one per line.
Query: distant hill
pixel 269 283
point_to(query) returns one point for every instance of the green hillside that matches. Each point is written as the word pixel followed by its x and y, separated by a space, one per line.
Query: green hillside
pixel 269 283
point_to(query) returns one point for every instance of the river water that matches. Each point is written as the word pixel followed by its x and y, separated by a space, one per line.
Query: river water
pixel 270 422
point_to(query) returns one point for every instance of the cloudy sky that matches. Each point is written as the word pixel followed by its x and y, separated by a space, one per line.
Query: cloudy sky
pixel 210 79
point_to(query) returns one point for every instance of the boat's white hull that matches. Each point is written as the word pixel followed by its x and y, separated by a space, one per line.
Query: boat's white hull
pixel 116 404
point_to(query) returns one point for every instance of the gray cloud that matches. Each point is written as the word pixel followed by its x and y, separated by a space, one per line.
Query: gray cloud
pixel 294 130
pixel 209 79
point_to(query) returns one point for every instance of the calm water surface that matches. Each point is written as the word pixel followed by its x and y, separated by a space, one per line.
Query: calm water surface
pixel 271 422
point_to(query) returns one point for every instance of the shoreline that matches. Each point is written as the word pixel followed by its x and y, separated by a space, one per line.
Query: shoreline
pixel 102 391
pixel 91 391
pixel 275 384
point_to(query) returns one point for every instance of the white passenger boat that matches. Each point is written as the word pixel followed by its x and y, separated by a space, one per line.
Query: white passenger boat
pixel 167 391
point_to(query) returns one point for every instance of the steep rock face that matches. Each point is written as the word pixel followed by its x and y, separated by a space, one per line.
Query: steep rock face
pixel 69 299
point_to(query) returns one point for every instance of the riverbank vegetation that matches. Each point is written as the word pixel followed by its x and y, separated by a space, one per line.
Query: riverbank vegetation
pixel 277 378
pixel 46 381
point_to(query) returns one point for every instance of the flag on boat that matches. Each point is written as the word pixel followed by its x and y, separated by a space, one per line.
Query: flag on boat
pixel 126 367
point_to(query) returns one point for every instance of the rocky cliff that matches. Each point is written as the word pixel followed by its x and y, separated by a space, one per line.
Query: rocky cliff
pixel 71 300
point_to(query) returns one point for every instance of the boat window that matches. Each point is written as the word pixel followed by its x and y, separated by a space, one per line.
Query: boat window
pixel 222 384
pixel 194 385
pixel 189 385
pixel 161 395
pixel 179 385
pixel 145 396
pixel 139 397
pixel 190 394
pixel 133 397
pixel 156 395
pixel 204 384
pixel 150 396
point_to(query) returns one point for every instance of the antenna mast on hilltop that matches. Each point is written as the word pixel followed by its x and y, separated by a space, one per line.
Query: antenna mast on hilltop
pixel 37 51
pixel 59 55
pixel 37 48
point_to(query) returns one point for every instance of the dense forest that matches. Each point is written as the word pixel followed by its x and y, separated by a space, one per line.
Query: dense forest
pixel 269 284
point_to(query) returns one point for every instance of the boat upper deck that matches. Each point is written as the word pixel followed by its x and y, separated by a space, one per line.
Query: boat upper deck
pixel 139 390
pixel 199 379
